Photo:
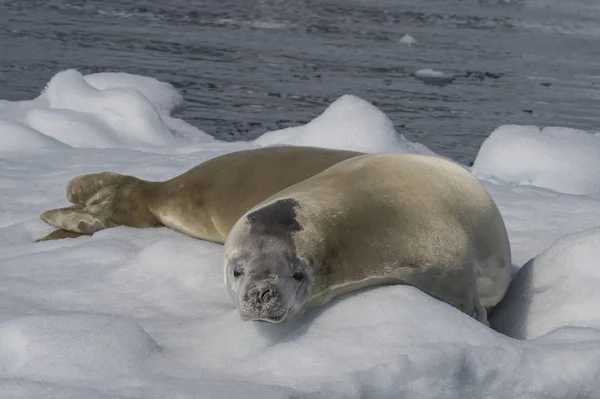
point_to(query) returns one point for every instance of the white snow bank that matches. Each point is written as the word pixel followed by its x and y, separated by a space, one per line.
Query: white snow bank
pixel 101 110
pixel 73 346
pixel 164 97
pixel 16 136
pixel 349 123
pixel 130 116
pixel 561 159
pixel 77 129
pixel 557 288
pixel 535 218
pixel 390 341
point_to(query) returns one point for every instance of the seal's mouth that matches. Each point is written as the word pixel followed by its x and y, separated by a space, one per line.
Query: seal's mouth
pixel 273 319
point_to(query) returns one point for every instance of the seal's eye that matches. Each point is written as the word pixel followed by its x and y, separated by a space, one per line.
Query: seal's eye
pixel 237 272
pixel 298 276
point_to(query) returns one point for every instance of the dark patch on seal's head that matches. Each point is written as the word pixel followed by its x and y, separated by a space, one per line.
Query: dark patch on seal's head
pixel 277 219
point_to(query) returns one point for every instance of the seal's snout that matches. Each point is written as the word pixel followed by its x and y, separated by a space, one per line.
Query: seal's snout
pixel 263 301
pixel 262 293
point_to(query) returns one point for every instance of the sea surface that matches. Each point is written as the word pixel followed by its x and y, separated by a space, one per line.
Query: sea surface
pixel 246 67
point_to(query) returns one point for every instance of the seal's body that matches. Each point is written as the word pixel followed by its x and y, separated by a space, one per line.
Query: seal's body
pixel 370 220
pixel 203 202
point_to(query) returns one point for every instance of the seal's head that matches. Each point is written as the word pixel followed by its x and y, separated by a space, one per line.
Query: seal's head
pixel 269 287
pixel 264 277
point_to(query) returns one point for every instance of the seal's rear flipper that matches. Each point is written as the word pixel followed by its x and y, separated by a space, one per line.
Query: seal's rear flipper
pixel 110 200
pixel 73 218
pixel 82 188
pixel 61 233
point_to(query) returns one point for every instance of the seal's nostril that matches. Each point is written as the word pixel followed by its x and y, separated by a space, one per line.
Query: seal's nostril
pixel 253 294
pixel 265 295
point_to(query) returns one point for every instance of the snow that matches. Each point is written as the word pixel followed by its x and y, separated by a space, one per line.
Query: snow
pixel 164 97
pixel 31 345
pixel 560 159
pixel 555 289
pixel 17 136
pixel 104 110
pixel 143 313
pixel 349 123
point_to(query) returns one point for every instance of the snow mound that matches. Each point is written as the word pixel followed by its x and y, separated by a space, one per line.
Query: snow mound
pixel 337 348
pixel 130 116
pixel 73 346
pixel 16 136
pixel 560 159
pixel 535 218
pixel 77 129
pixel 383 342
pixel 102 110
pixel 349 123
pixel 164 97
pixel 557 288
pixel 154 272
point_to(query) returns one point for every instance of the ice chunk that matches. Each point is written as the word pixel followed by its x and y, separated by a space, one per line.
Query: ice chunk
pixel 77 129
pixel 560 159
pixel 164 97
pixel 349 123
pixel 433 77
pixel 16 136
pixel 102 110
pixel 557 288
pixel 408 40
pixel 131 116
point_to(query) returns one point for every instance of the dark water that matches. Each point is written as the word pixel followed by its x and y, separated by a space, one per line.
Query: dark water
pixel 246 67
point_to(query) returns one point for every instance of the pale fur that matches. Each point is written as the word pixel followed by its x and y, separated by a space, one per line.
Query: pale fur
pixel 397 219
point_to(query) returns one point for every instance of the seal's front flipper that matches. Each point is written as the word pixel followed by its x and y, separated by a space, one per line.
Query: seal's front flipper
pixel 59 234
pixel 73 218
